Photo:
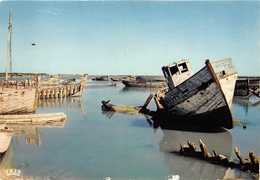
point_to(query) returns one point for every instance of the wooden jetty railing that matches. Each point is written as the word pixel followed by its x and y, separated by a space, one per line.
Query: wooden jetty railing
pixel 64 91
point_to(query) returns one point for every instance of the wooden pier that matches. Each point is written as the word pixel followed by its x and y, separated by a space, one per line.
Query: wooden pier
pixel 63 91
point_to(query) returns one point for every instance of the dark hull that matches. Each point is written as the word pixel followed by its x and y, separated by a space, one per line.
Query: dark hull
pixel 212 119
pixel 204 98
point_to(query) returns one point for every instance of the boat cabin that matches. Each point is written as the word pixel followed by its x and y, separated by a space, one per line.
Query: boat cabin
pixel 176 73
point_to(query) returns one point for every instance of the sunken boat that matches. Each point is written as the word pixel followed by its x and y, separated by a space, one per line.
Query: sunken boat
pixel 201 98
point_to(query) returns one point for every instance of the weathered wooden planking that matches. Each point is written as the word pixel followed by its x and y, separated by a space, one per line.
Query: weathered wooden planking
pixel 33 118
pixel 17 100
pixel 227 75
pixel 64 91
pixel 5 137
pixel 206 96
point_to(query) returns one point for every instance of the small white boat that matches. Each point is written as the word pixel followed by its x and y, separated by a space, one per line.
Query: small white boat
pixel 5 137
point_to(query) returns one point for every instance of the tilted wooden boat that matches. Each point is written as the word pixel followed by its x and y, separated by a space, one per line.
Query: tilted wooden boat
pixel 16 97
pixel 5 137
pixel 204 97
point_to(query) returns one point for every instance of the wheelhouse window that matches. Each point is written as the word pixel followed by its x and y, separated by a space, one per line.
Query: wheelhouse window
pixel 183 67
pixel 174 70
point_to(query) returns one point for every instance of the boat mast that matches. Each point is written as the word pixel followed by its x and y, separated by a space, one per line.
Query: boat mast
pixel 9 45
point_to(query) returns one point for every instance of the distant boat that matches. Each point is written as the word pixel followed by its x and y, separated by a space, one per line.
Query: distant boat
pixel 5 137
pixel 204 97
pixel 16 96
pixel 144 84
pixel 52 81
pixel 123 78
pixel 69 81
pixel 101 78
pixel 116 79
pixel 151 78
pixel 247 87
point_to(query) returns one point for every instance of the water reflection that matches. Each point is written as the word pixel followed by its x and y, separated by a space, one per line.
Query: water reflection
pixel 31 131
pixel 127 89
pixel 7 159
pixel 108 114
pixel 68 102
pixel 217 139
pixel 247 102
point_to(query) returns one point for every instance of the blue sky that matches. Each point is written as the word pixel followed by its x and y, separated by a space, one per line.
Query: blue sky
pixel 128 37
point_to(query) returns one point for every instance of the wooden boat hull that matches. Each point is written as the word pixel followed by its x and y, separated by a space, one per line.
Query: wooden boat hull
pixel 33 118
pixel 5 137
pixel 204 97
pixel 144 84
pixel 17 100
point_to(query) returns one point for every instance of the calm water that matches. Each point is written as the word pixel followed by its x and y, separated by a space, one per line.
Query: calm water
pixel 92 144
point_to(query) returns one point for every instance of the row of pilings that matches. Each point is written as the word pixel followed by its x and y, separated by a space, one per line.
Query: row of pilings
pixel 61 92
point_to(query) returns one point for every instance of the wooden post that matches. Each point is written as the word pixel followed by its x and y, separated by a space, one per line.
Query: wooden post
pixel 253 158
pixel 60 93
pixel 74 89
pixel 68 91
pixel 56 93
pixel 203 148
pixel 42 94
pixel 192 148
pixel 47 96
pixel 239 156
pixel 25 84
pixel 71 90
pixel 63 92
pixel 51 93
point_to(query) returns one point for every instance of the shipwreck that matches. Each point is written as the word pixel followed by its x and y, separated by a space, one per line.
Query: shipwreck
pixel 204 97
